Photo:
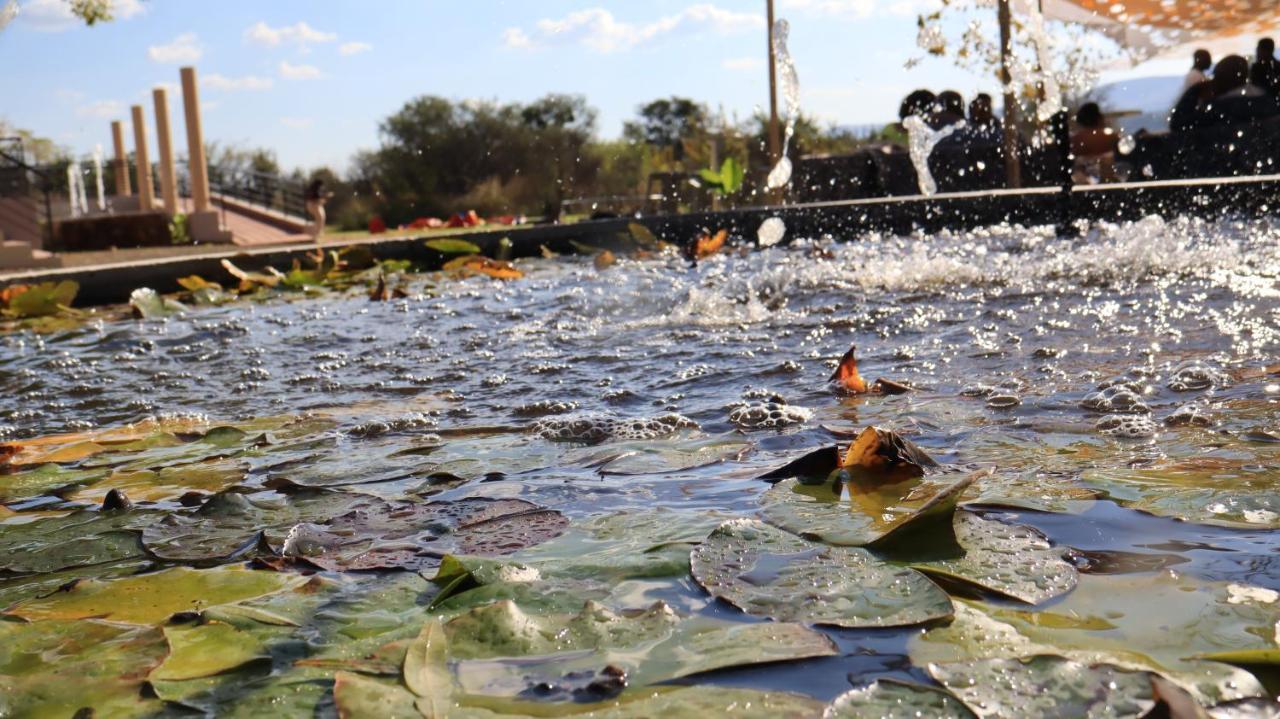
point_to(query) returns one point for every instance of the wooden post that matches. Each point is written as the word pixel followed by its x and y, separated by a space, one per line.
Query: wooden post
pixel 196 161
pixel 168 174
pixel 120 165
pixel 775 133
pixel 1013 169
pixel 142 157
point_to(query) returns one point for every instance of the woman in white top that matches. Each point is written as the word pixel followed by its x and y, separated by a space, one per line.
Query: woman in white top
pixel 1200 63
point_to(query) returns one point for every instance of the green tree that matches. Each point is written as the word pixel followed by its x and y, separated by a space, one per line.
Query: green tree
pixel 668 123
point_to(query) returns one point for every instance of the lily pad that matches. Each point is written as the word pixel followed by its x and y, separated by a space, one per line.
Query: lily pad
pixel 696 702
pixel 453 247
pixel 503 651
pixel 377 534
pixel 426 670
pixel 770 573
pixel 840 514
pixel 167 483
pixel 667 456
pixel 59 668
pixel 1046 686
pixel 892 699
pixel 45 479
pixel 205 650
pixel 1014 561
pixel 78 539
pixel 1206 490
pixel 361 697
pixel 153 598
pixel 879 457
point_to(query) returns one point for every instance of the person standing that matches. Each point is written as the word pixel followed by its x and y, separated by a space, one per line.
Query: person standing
pixel 1201 61
pixel 316 197
pixel 1265 72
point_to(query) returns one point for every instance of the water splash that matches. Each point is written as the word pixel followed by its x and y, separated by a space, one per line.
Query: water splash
pixel 922 141
pixel 771 231
pixel 780 176
pixel 75 190
pixel 1044 75
pixel 97 175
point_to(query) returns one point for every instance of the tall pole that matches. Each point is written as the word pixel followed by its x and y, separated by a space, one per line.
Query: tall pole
pixel 196 163
pixel 168 176
pixel 775 133
pixel 120 165
pixel 1013 170
pixel 146 197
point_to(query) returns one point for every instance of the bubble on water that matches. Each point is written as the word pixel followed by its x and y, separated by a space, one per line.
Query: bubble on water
pixel 1117 399
pixel 1189 415
pixel 1003 401
pixel 1194 376
pixel 545 407
pixel 769 415
pixel 771 231
pixel 1127 426
pixel 410 422
pixel 597 427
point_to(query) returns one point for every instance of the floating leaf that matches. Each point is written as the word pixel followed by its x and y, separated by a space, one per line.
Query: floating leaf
pixel 707 244
pixel 78 539
pixel 816 465
pixel 359 697
pixel 153 598
pixel 770 573
pixel 892 699
pixel 1203 489
pixel 643 237
pixel 698 702
pixel 1246 658
pixel 426 671
pixel 477 265
pixel 879 457
pixel 42 300
pixel 167 483
pixel 503 651
pixel 667 456
pixel 1046 686
pixel 846 377
pixel 377 534
pixel 1014 561
pixel 45 479
pixel 250 281
pixel 454 247
pixel 837 513
pixel 76 668
pixel 205 650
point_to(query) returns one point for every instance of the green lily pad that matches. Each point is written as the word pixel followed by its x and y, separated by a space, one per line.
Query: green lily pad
pixel 42 300
pixel 837 513
pixel 1014 561
pixel 78 539
pixel 1205 490
pixel 453 247
pixel 58 668
pixel 167 483
pixel 205 650
pixel 770 573
pixel 149 304
pixel 1144 622
pixel 426 670
pixel 44 479
pixel 667 456
pixel 227 521
pixel 892 699
pixel 153 598
pixel 377 534
pixel 29 586
pixel 468 582
pixel 1046 686
pixel 361 697
pixel 696 702
pixel 502 651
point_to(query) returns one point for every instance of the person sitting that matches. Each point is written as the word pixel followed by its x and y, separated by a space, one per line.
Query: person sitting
pixel 948 110
pixel 1265 72
pixel 1093 146
pixel 1201 61
pixel 1228 99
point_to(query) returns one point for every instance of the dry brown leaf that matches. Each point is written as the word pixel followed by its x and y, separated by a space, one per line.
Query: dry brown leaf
pixel 605 259
pixel 708 244
pixel 846 376
pixel 878 457
pixel 380 293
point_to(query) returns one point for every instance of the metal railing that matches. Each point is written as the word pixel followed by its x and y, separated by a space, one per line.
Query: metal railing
pixel 284 195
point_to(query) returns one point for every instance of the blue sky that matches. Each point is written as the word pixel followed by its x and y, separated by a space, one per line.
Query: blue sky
pixel 311 79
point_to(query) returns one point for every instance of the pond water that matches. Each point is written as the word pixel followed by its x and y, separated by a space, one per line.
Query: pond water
pixel 300 464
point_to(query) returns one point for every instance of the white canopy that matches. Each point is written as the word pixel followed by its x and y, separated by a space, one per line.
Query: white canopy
pixel 1153 27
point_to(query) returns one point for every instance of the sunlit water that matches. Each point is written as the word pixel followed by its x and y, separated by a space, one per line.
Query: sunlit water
pixel 1009 334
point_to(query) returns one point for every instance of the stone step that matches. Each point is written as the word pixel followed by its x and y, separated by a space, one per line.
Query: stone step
pixel 20 255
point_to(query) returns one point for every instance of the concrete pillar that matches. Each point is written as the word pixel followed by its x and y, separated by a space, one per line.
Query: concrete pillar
pixel 195 141
pixel 120 165
pixel 168 173
pixel 142 157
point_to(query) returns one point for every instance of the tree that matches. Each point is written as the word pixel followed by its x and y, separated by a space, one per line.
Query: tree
pixel 92 11
pixel 668 123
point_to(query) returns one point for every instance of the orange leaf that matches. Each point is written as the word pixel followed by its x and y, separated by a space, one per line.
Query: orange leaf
pixel 846 376
pixel 380 293
pixel 878 457
pixel 7 294
pixel 708 245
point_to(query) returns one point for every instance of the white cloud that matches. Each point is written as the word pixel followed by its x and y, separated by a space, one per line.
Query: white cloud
pixel 56 16
pixel 599 30
pixel 214 81
pixel 289 71
pixel 858 9
pixel 296 123
pixel 185 48
pixel 300 34
pixel 102 109
pixel 354 48
pixel 742 63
